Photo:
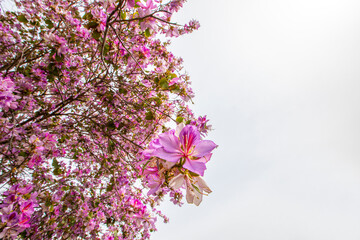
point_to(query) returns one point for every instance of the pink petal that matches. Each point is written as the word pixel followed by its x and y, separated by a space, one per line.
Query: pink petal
pixel 131 3
pixel 205 158
pixel 153 189
pixel 203 148
pixel 189 136
pixel 168 156
pixel 140 4
pixel 195 166
pixel 170 142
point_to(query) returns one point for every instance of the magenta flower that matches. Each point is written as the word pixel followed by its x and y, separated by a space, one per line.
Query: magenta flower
pixel 24 221
pixel 149 5
pixel 154 179
pixel 131 3
pixel 187 147
pixel 27 207
pixel 172 32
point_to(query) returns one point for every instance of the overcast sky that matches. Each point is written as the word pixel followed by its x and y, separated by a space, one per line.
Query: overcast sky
pixel 280 81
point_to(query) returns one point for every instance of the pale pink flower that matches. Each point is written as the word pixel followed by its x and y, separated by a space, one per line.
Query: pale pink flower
pixel 195 187
pixel 188 149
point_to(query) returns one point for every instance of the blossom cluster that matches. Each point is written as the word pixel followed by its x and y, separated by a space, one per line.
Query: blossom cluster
pixel 7 96
pixel 177 159
pixel 16 210
pixel 87 90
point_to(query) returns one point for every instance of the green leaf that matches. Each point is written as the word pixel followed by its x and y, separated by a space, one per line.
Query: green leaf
pixel 123 91
pixel 147 33
pixel 87 16
pixel 22 18
pixel 92 25
pixel 57 171
pixel 72 221
pixel 106 48
pixel 110 187
pixel 62 139
pixel 179 119
pixel 149 116
pixel 96 35
pixel 23 154
pixel 109 95
pixel 158 101
pixel 23 235
pixel 48 202
pixel 123 15
pixel 156 80
pixel 175 88
pixel 111 146
pixel 59 58
pixel 172 75
pixel 55 163
pixel 35 23
pixel 49 23
pixel 164 84
pixel 111 125
pixel 64 208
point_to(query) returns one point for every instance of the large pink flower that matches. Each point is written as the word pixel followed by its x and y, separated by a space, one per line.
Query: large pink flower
pixel 188 147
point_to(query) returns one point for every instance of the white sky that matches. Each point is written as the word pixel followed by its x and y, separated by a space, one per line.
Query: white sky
pixel 280 81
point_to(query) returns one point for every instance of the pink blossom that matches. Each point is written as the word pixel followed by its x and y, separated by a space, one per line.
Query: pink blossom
pixel 172 32
pixel 131 3
pixel 149 5
pixel 154 179
pixel 188 149
pixel 7 97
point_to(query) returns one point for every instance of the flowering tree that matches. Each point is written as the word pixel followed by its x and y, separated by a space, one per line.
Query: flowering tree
pixel 87 89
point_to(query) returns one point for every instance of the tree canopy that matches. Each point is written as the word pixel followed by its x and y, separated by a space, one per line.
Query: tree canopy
pixel 87 91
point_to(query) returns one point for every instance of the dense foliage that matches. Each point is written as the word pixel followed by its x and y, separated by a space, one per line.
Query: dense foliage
pixel 87 90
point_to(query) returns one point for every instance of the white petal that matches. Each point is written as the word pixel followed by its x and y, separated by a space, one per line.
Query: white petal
pixel 199 181
pixel 168 165
pixel 198 198
pixel 189 195
pixel 177 181
pixel 179 128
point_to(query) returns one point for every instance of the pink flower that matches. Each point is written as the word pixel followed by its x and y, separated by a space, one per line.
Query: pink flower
pixel 188 148
pixel 149 5
pixel 154 179
pixel 24 221
pixel 27 207
pixel 172 32
pixel 7 97
pixel 131 3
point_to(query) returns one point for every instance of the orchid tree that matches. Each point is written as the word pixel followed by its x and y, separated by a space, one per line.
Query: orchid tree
pixel 87 91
